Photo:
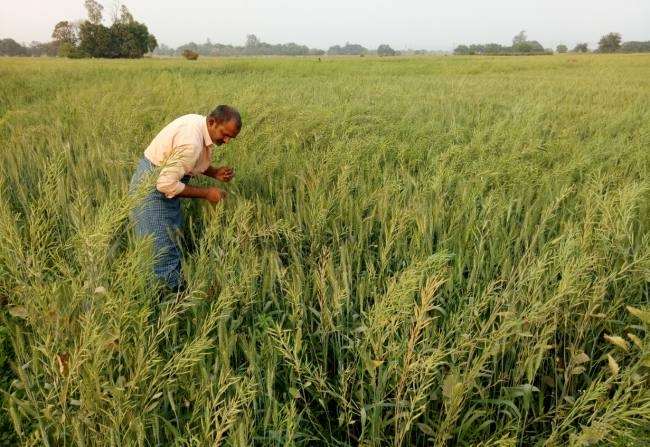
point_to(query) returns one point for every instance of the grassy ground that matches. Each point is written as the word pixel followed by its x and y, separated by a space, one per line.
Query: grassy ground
pixel 426 251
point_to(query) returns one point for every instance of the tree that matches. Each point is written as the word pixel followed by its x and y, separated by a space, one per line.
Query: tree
pixel 65 32
pixel 581 48
pixel 152 43
pixel 125 15
pixel 94 11
pixel 96 40
pixel 252 41
pixel 65 35
pixel 462 50
pixel 385 50
pixel 522 47
pixel 561 48
pixel 130 40
pixel 521 44
pixel 609 43
pixel 519 38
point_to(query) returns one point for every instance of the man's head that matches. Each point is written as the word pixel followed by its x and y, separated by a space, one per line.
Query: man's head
pixel 224 123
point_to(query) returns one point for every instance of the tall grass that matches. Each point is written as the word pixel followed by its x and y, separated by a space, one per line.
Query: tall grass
pixel 428 251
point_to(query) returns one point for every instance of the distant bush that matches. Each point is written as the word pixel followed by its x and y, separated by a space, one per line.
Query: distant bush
pixel 190 55
pixel 561 49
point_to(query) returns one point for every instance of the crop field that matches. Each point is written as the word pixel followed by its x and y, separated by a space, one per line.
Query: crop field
pixel 414 251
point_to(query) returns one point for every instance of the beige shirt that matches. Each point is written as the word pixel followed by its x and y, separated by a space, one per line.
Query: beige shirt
pixel 182 147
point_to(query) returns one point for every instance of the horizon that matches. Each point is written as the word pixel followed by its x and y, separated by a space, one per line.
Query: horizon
pixel 414 28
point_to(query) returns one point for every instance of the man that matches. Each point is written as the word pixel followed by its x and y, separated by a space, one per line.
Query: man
pixel 182 149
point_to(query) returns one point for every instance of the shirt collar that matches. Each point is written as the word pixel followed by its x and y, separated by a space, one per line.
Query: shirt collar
pixel 207 140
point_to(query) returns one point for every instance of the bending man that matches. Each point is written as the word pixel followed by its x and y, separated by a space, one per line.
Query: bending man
pixel 183 148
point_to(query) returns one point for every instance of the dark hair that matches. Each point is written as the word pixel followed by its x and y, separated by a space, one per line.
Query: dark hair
pixel 223 114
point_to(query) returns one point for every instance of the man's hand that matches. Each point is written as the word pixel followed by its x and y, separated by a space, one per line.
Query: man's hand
pixel 224 173
pixel 215 195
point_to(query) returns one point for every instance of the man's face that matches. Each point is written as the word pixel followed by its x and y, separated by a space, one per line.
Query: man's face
pixel 222 133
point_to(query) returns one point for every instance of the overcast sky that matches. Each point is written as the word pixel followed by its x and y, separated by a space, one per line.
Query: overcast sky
pixel 401 23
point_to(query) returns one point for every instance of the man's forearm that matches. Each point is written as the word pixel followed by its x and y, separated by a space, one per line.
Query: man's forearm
pixel 193 192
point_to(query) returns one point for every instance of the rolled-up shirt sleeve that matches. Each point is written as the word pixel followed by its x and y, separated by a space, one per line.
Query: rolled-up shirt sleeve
pixel 179 163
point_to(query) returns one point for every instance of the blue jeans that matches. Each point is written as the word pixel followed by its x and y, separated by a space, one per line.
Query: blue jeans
pixel 162 219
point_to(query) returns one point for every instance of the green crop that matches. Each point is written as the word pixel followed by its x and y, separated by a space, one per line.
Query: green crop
pixel 423 251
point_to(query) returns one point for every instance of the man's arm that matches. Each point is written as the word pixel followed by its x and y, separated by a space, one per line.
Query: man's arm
pixel 177 165
pixel 212 195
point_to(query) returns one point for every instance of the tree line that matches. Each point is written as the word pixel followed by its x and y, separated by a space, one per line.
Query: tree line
pixel 520 45
pixel 9 47
pixel 609 43
pixel 256 47
pixel 127 38
pixel 252 47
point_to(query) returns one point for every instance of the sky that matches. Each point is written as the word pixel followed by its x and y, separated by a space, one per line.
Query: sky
pixel 414 24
